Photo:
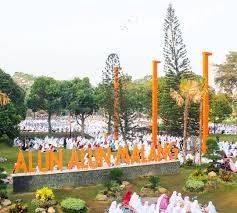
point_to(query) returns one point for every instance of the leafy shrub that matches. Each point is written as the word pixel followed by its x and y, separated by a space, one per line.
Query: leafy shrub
pixel 73 205
pixel 18 208
pixel 189 162
pixel 116 174
pixel 199 175
pixel 110 184
pixel 225 175
pixel 44 197
pixel 213 166
pixel 154 181
pixel 44 194
pixel 3 186
pixel 213 150
pixel 194 185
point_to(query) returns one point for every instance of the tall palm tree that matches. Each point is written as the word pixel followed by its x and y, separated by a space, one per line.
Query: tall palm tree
pixel 190 92
pixel 4 99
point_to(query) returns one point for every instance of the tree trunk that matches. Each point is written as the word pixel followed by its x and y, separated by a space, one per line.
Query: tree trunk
pixel 49 122
pixel 70 127
pixel 200 133
pixel 185 128
pixel 83 125
pixel 109 124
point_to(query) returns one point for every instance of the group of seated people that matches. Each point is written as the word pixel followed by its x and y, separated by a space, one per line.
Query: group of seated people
pixel 227 129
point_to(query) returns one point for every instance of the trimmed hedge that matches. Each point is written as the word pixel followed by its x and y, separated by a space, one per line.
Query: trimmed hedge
pixel 73 205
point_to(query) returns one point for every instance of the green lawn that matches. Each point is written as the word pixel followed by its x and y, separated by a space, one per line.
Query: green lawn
pixel 225 137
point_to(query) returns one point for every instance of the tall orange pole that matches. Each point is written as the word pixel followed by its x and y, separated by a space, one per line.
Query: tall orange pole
pixel 116 103
pixel 154 101
pixel 205 102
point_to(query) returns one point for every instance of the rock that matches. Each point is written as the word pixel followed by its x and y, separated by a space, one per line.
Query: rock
pixel 6 202
pixel 0 206
pixel 18 200
pixel 122 187
pixel 162 190
pixel 51 210
pixel 101 197
pixel 125 183
pixel 212 175
pixel 40 210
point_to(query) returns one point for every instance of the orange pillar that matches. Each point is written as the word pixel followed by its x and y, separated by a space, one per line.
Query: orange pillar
pixel 205 102
pixel 154 101
pixel 116 103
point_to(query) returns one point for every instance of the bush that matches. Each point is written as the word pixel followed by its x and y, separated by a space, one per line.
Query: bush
pixel 44 198
pixel 213 150
pixel 225 175
pixel 3 186
pixel 199 175
pixel 189 162
pixel 213 166
pixel 18 208
pixel 110 184
pixel 115 174
pixel 44 194
pixel 154 181
pixel 73 205
pixel 194 185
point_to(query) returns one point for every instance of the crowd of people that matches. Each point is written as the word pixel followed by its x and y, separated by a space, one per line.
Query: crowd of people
pixel 227 129
pixel 96 129
pixel 165 204
pixel 100 140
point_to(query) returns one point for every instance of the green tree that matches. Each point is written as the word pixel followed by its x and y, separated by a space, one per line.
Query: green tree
pixel 226 73
pixel 107 87
pixel 177 68
pixel 12 109
pixel 220 108
pixel 83 101
pixel 176 61
pixel 190 92
pixel 130 104
pixel 45 95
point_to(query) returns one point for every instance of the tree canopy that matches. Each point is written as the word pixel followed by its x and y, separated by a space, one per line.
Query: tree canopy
pixel 12 111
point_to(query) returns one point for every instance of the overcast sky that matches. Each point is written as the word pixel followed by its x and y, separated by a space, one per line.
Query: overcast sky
pixel 69 38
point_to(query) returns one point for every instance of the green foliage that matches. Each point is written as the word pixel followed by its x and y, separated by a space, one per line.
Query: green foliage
pixel 194 185
pixel 189 162
pixel 226 75
pixel 213 167
pixel 171 113
pixel 115 174
pixel 220 108
pixel 3 186
pixel 44 198
pixel 45 95
pixel 175 54
pixel 81 100
pixel 226 176
pixel 12 113
pixel 213 150
pixel 198 175
pixel 24 80
pixel 73 205
pixel 18 208
pixel 154 181
pixel 108 184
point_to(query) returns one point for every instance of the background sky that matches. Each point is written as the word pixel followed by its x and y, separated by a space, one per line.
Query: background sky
pixel 69 38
